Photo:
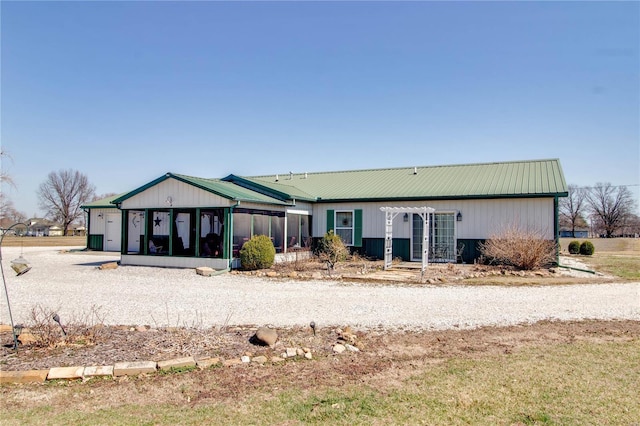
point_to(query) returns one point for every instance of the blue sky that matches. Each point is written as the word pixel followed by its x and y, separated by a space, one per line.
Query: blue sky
pixel 127 91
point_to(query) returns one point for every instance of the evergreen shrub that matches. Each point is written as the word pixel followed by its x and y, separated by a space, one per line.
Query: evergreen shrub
pixel 257 253
pixel 587 248
pixel 574 247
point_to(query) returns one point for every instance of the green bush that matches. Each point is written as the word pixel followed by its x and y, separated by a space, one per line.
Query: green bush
pixel 587 248
pixel 574 247
pixel 331 249
pixel 257 253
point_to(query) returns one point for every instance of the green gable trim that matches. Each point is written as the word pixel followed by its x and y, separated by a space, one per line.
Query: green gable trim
pixel 137 191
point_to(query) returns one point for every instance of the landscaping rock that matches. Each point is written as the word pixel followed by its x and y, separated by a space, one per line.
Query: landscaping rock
pixel 27 338
pixel 205 271
pixel 308 355
pixel 351 348
pixel 177 363
pixel 5 328
pixel 98 370
pixel 231 362
pixel 65 373
pixel 266 336
pixel 245 359
pixel 259 359
pixel 133 368
pixel 276 359
pixel 338 348
pixel 108 265
pixel 207 362
pixel 291 352
pixel 31 376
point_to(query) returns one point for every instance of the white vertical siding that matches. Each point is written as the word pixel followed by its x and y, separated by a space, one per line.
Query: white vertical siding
pixel 98 225
pixel 301 207
pixel 182 195
pixel 480 218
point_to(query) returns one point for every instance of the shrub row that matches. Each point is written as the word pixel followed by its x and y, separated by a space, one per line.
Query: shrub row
pixel 586 248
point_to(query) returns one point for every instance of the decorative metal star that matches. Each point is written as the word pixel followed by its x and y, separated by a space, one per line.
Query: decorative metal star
pixel 157 220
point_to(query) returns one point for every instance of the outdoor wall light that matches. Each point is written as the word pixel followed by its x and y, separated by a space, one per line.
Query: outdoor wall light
pixel 459 217
pixel 100 215
pixel 406 217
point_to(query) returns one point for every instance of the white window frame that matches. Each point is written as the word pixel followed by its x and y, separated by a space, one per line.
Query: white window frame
pixel 339 226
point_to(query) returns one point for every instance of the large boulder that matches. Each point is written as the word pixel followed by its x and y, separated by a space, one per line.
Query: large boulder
pixel 265 336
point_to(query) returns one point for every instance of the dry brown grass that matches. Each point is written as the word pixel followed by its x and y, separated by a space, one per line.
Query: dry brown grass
pixel 629 246
pixel 13 241
pixel 584 372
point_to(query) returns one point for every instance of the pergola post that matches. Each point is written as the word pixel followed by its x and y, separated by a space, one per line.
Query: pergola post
pixel 390 214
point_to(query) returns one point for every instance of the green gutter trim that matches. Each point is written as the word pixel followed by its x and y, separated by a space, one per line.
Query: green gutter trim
pixel 443 198
pixel 577 269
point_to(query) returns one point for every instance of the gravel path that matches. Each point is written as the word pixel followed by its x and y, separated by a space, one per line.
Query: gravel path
pixel 71 284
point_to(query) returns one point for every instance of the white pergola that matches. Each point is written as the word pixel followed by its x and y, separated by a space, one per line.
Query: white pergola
pixel 390 214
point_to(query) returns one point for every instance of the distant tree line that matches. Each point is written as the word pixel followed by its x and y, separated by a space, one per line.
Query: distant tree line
pixel 606 210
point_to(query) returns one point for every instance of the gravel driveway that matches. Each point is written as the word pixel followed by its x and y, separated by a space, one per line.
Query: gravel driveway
pixel 71 284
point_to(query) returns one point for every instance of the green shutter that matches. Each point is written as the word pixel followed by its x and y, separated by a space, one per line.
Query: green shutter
pixel 357 228
pixel 330 219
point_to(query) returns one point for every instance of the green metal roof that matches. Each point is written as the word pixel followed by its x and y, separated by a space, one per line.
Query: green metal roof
pixel 219 187
pixel 483 180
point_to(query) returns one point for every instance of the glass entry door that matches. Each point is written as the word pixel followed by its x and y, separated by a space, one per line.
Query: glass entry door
pixel 442 241
pixel 416 237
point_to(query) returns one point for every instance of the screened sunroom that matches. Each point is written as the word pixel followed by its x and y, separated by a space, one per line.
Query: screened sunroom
pixel 181 221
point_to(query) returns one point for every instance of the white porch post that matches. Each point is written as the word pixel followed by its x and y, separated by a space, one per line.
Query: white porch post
pixel 388 239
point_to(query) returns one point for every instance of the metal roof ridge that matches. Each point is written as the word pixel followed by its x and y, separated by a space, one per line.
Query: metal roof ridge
pixel 434 166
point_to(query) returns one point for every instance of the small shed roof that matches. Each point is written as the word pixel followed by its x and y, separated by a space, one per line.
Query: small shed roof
pixel 103 203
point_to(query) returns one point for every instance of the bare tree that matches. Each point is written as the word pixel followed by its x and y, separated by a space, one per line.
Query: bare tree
pixel 62 195
pixel 4 176
pixel 572 208
pixel 611 206
pixel 8 214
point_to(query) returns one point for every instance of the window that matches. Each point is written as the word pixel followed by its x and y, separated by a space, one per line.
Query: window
pixel 344 226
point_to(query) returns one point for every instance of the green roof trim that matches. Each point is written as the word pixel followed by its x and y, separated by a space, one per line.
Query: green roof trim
pixel 274 189
pixel 533 178
pixel 218 187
